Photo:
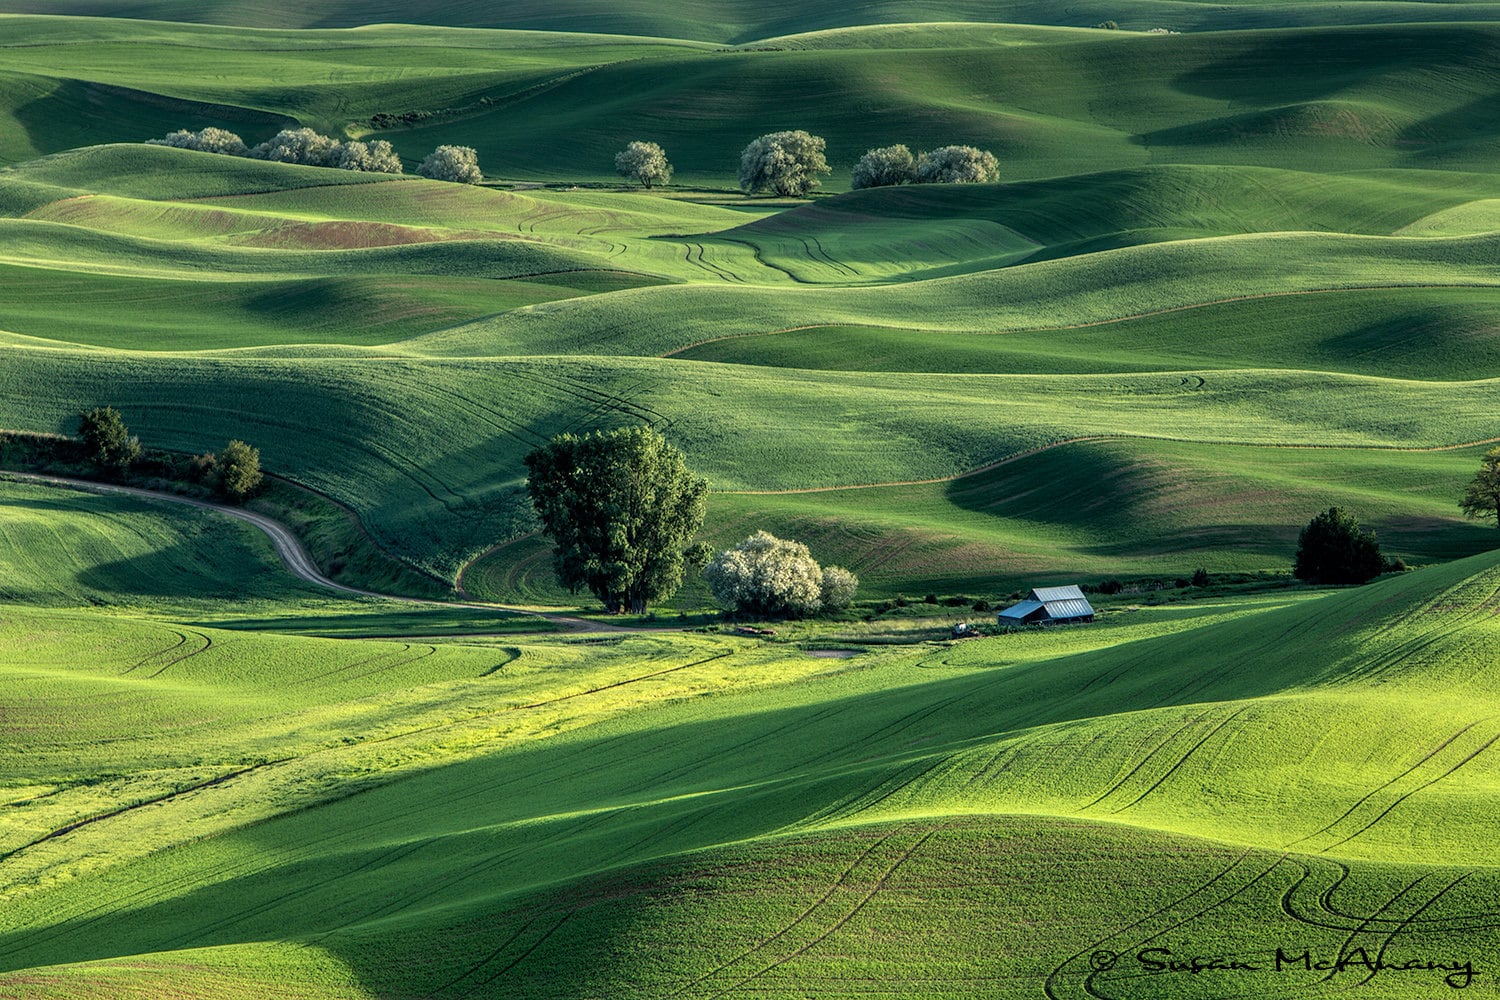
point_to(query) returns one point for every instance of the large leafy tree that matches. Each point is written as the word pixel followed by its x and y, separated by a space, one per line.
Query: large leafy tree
pixel 620 507
pixel 786 163
pixel 107 442
pixel 1482 498
pixel 1333 549
pixel 239 470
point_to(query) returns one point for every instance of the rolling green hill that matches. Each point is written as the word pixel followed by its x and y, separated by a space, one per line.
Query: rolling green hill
pixel 744 22
pixel 1232 277
pixel 399 344
pixel 1336 98
pixel 778 835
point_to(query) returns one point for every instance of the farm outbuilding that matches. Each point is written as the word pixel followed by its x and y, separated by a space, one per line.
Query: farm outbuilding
pixel 1049 606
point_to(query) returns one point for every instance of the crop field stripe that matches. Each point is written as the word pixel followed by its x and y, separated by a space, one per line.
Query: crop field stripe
pixel 471 991
pixel 1192 750
pixel 1384 785
pixel 1143 761
pixel 207 644
pixel 1082 439
pixel 785 928
pixel 1403 797
pixel 1049 987
pixel 63 831
pixel 837 924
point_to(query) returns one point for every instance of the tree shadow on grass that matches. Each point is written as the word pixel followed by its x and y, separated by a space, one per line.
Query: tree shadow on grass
pixel 413 881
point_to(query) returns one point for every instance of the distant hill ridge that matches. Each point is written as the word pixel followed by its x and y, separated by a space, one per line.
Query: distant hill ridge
pixel 740 21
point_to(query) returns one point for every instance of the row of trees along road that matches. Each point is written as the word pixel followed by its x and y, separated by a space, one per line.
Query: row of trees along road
pixel 107 444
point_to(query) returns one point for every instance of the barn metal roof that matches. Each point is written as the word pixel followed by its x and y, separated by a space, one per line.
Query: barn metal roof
pixel 1021 610
pixel 1048 594
pixel 1069 608
pixel 1060 604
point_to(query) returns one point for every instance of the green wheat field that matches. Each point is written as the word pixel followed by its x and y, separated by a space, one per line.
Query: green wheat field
pixel 1236 271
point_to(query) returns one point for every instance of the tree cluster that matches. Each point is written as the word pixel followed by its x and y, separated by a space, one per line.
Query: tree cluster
pixel 107 444
pixel 313 149
pixel 771 577
pixel 292 145
pixel 896 164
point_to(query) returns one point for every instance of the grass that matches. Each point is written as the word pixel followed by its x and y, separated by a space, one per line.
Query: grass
pixel 127 557
pixel 1083 512
pixel 733 21
pixel 1233 277
pixel 1395 96
pixel 437 476
pixel 875 792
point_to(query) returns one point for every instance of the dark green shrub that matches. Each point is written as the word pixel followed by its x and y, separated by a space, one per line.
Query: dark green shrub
pixel 1333 549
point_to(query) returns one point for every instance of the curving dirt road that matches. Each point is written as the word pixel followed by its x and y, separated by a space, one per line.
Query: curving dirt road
pixel 296 558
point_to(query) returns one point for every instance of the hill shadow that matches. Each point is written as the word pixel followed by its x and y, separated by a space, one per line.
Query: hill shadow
pixel 438 865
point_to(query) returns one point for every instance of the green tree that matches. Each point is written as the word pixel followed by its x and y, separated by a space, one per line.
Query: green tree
pixel 1482 498
pixel 644 162
pixel 238 469
pixel 1333 549
pixel 787 163
pixel 620 507
pixel 107 442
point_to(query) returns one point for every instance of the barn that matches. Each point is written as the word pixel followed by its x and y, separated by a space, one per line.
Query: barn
pixel 1049 606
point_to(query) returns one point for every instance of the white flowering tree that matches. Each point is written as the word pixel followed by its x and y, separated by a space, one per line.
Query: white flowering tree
pixel 644 162
pixel 772 577
pixel 884 167
pixel 784 163
pixel 208 140
pixel 459 164
pixel 958 165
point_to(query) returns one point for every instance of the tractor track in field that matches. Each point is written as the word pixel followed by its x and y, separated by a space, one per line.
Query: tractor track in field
pixel 1085 438
pixel 296 558
pixel 1075 326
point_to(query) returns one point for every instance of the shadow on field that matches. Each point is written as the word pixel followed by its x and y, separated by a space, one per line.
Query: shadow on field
pixel 66 114
pixel 446 858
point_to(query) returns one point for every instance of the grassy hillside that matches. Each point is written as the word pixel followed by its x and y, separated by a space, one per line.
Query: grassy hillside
pixel 399 345
pixel 1233 276
pixel 1320 99
pixel 1332 791
pixel 1090 511
pixel 429 451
